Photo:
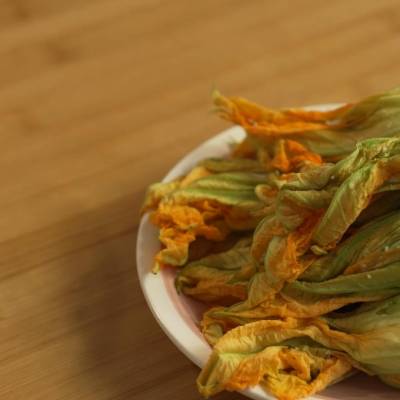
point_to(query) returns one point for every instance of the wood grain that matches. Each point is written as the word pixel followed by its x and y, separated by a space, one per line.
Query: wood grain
pixel 98 99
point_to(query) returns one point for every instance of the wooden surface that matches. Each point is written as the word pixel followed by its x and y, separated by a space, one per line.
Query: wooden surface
pixel 97 100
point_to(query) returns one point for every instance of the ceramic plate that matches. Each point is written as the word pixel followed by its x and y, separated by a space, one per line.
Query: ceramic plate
pixel 179 315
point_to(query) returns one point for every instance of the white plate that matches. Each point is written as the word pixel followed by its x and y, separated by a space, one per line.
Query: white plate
pixel 178 315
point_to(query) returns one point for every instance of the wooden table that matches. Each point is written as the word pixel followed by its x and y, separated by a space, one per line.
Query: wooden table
pixel 97 100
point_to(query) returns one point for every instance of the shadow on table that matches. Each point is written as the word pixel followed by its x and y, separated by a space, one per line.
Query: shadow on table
pixel 123 353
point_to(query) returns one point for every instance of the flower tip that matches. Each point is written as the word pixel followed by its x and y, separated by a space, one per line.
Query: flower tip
pixel 156 268
pixel 215 95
